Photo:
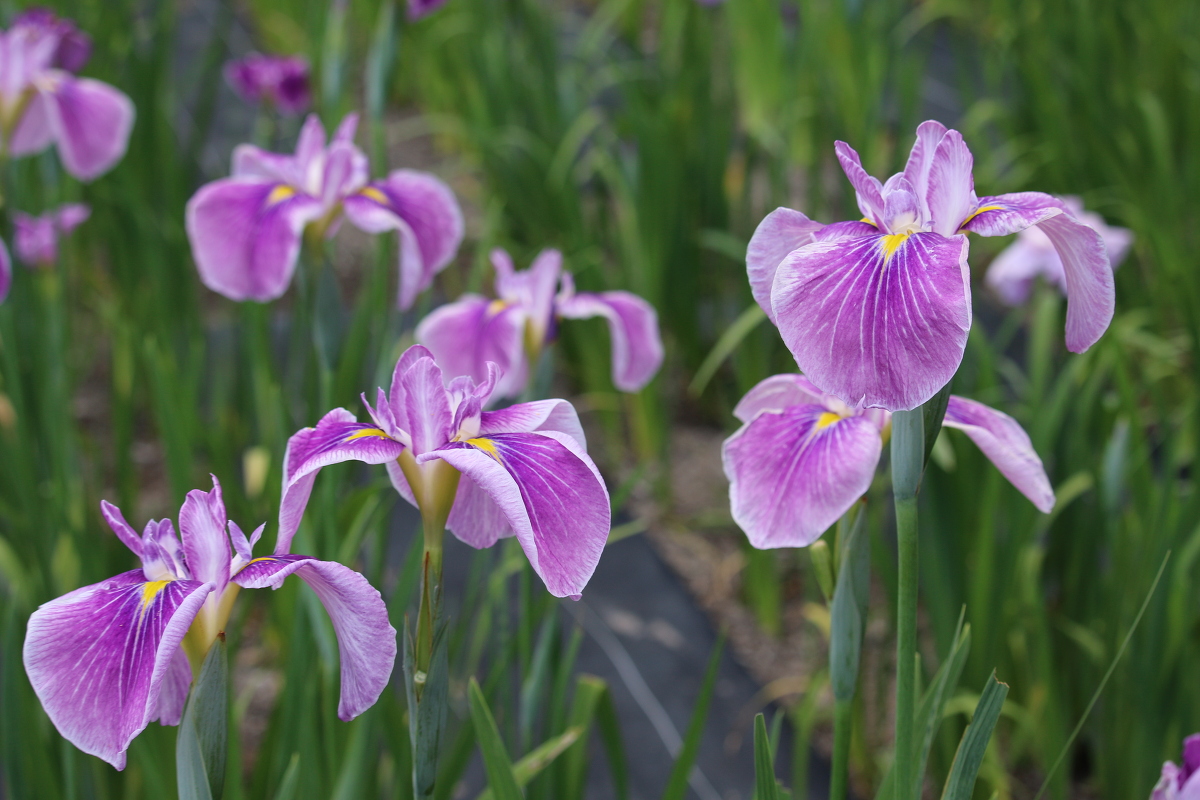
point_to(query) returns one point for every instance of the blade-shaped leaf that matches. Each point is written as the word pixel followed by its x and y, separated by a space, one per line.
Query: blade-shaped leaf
pixel 202 743
pixel 764 770
pixel 961 783
pixel 539 758
pixel 935 411
pixel 682 770
pixel 426 716
pixel 496 762
pixel 593 704
pixel 849 609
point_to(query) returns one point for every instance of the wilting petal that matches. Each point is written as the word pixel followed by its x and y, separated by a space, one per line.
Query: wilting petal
pixel 1012 273
pixel 780 232
pixel 97 657
pixel 423 210
pixel 203 527
pixel 540 415
pixel 464 336
pixel 427 406
pixel 637 350
pixel 877 321
pixel 366 639
pixel 1005 442
pixel 777 393
pixel 34 132
pixel 867 189
pixel 793 473
pixel 552 495
pixel 245 236
pixel 1091 292
pixel 338 437
pixel 172 696
pixel 951 192
pixel 91 122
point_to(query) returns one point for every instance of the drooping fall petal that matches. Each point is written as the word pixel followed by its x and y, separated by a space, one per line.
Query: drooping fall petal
pixel 637 350
pixel 97 657
pixel 793 473
pixel 777 393
pixel 91 122
pixel 467 334
pixel 780 232
pixel 877 320
pixel 1004 441
pixel 366 640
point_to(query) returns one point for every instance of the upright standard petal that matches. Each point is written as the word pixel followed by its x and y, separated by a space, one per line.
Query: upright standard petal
pixel 552 496
pixel 366 640
pixel 338 437
pixel 879 320
pixel 793 473
pixel 245 235
pixel 637 350
pixel 91 122
pixel 427 406
pixel 1005 442
pixel 540 415
pixel 920 159
pixel 97 657
pixel 1091 292
pixel 867 189
pixel 203 529
pixel 124 531
pixel 780 232
pixel 466 335
pixel 777 393
pixel 950 194
pixel 423 210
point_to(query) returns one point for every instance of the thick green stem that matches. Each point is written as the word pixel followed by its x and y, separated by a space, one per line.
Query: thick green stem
pixel 430 604
pixel 842 720
pixel 908 457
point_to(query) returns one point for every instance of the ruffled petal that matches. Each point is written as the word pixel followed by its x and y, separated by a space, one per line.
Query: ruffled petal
pixel 91 122
pixel 423 210
pixel 795 472
pixel 540 415
pixel 1005 442
pixel 203 529
pixel 950 195
pixel 780 232
pixel 337 437
pixel 366 640
pixel 97 657
pixel 637 350
pixel 877 321
pixel 465 335
pixel 777 393
pixel 246 234
pixel 1091 292
pixel 552 495
pixel 868 191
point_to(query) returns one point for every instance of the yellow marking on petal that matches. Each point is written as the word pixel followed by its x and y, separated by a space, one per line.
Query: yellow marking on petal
pixel 279 194
pixel 487 446
pixel 150 591
pixel 977 212
pixel 496 306
pixel 365 432
pixel 892 243
pixel 374 194
pixel 869 222
pixel 826 419
pixel 260 558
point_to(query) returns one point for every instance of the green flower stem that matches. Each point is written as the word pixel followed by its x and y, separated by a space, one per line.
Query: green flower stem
pixel 843 713
pixel 908 459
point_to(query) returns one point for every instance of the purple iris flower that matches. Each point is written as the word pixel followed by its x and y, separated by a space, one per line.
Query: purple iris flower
pixel 485 475
pixel 108 659
pixel 42 102
pixel 5 271
pixel 422 8
pixel 1181 782
pixel 1012 273
pixel 803 457
pixel 37 237
pixel 246 229
pixel 467 335
pixel 281 81
pixel 877 311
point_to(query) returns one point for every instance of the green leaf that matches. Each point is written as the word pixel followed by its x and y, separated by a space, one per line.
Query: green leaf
pixel 742 327
pixel 202 741
pixel 934 411
pixel 849 609
pixel 426 716
pixel 291 779
pixel 495 758
pixel 539 758
pixel 764 770
pixel 593 704
pixel 678 781
pixel 961 783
